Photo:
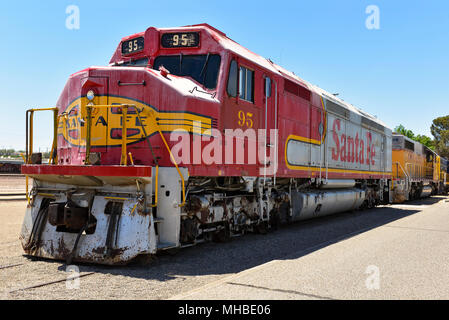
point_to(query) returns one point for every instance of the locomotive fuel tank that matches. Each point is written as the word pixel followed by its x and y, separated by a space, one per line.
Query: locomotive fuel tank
pixel 311 204
pixel 338 183
pixel 426 191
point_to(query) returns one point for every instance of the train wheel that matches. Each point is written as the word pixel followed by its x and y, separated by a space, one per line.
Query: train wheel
pixel 222 236
pixel 275 219
pixel 172 251
pixel 262 227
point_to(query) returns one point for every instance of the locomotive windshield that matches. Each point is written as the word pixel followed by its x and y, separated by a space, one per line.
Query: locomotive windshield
pixel 202 68
pixel 133 63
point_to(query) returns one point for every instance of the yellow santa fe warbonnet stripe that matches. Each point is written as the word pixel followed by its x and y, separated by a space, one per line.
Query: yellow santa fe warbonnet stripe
pixel 106 123
pixel 323 169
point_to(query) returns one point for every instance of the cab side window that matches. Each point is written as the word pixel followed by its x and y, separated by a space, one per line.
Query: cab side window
pixel 246 84
pixel 232 79
pixel 267 87
pixel 240 82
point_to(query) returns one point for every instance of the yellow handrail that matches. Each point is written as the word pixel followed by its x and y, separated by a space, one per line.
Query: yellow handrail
pixel 151 112
pixel 177 168
pixel 155 190
pixel 47 195
pixel 26 179
pixel 116 198
pixel 123 157
pixel 29 144
pixel 131 158
pixel 54 159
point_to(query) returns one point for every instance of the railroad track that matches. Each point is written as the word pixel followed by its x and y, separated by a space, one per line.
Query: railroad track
pixel 11 265
pixel 47 283
pixel 44 283
pixel 9 196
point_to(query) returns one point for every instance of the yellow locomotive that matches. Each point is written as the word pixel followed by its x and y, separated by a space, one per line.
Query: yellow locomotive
pixel 417 170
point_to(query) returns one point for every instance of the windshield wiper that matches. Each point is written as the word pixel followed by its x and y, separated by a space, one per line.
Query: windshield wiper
pixel 180 63
pixel 205 66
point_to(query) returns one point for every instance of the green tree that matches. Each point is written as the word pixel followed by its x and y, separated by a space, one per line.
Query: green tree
pixel 6 152
pixel 401 130
pixel 440 131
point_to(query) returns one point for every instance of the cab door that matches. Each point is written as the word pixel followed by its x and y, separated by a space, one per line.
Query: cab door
pixel 270 126
pixel 317 123
pixel 243 110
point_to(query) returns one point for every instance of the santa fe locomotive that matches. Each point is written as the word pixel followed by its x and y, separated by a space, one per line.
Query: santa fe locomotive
pixel 187 136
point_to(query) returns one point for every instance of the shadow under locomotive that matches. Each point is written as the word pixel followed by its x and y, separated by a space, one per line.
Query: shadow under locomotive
pixel 422 202
pixel 289 242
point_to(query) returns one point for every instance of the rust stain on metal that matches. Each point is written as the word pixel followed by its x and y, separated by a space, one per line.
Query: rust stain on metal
pixel 99 250
pixel 62 250
pixel 117 252
pixel 52 248
pixel 204 215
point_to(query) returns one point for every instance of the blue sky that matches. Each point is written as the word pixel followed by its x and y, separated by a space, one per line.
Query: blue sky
pixel 400 73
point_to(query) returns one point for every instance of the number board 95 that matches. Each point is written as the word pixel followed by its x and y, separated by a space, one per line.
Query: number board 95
pixel 132 46
pixel 180 40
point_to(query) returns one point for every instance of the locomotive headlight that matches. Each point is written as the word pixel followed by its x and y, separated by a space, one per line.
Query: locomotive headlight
pixel 90 95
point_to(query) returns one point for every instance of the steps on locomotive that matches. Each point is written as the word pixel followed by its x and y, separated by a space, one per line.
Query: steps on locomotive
pixel 166 245
pixel 169 201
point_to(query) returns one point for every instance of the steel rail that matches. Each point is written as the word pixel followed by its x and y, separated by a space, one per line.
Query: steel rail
pixel 11 266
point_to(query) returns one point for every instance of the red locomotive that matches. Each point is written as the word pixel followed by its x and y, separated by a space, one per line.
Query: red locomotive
pixel 187 136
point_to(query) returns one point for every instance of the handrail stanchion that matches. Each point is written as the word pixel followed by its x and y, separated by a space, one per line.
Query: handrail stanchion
pixel 25 161
pixel 29 141
pixel 54 151
pixel 88 133
pixel 155 187
pixel 26 180
pixel 124 154
pixel 31 136
pixel 172 158
pixel 131 158
pixel 406 174
pixel 29 131
pixel 124 157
